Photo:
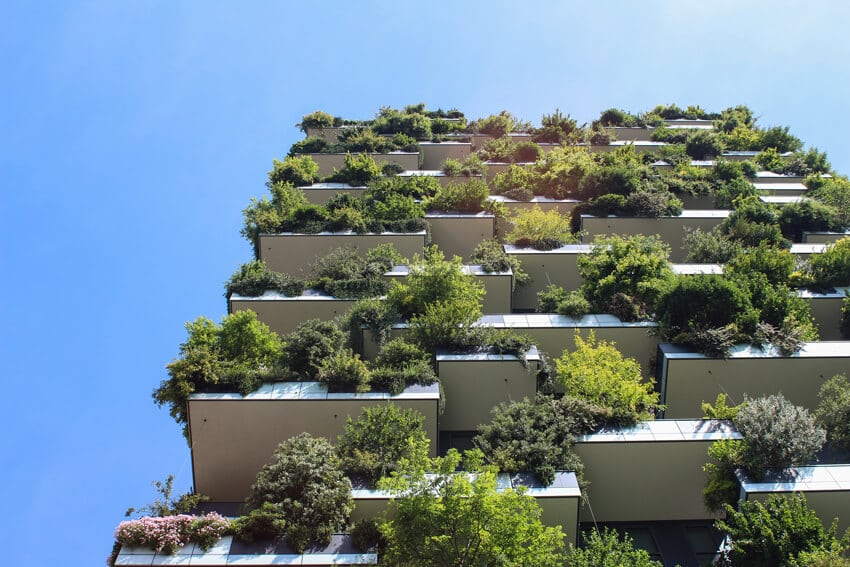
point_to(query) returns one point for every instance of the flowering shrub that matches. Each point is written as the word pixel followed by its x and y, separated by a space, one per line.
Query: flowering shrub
pixel 167 534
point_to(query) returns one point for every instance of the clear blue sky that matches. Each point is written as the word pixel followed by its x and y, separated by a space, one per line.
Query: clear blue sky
pixel 132 136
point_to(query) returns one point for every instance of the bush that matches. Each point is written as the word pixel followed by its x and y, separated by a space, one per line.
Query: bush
pixel 574 305
pixel 607 549
pixel 712 247
pixel 620 179
pixel 254 278
pixel 374 444
pixel 617 117
pixel 400 364
pixel 264 523
pixel 703 144
pixel 832 267
pixel 344 274
pixel 373 314
pixel 556 128
pixel 776 264
pixel 604 205
pixel 317 119
pixel 834 192
pixel 806 216
pixel 525 152
pixel 770 160
pixel 169 533
pixel 366 535
pixel 268 217
pixel 309 345
pixel 619 268
pixel 778 435
pixel 297 170
pixel 780 139
pixel 309 145
pixel 491 256
pixel 305 481
pixel 652 203
pixel 466 197
pixel 343 371
pixel 775 532
pixel 540 230
pixel 833 411
pixel 497 125
pixel 358 171
pixel 599 374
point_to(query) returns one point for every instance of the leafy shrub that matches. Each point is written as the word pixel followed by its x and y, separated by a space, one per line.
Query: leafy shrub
pixel 574 305
pixel 561 170
pixel 390 169
pixel 703 144
pixel 778 434
pixel 780 139
pixel 834 192
pixel 309 345
pixel 711 247
pixel 309 145
pixel 268 217
pixel 541 230
pixel 775 532
pixel 662 133
pixel 465 197
pixel 635 267
pixel 169 533
pixel 366 535
pixel 400 364
pixel 832 267
pixel 620 179
pixel 599 374
pixel 515 183
pixel 305 481
pixel 263 523
pixel 833 411
pixel 416 187
pixel 497 125
pixel 525 152
pixel 555 128
pixel 472 165
pixel 787 338
pixel 297 170
pixel 345 274
pixel 604 205
pixel 810 162
pixel 317 119
pixel 776 264
pixel 373 445
pixel 600 136
pixel 358 171
pixel 491 256
pixel 617 117
pixel 343 371
pixel 770 160
pixel 607 549
pixel 806 216
pixel 652 203
pixel 549 298
pixel 254 278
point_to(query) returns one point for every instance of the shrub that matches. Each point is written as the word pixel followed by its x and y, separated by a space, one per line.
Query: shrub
pixel 309 145
pixel 465 197
pixel 254 278
pixel 775 532
pixel 400 364
pixel 832 267
pixel 621 179
pixel 561 170
pixel 373 445
pixel 309 345
pixel 491 256
pixel 712 247
pixel 358 171
pixel 314 495
pixel 770 160
pixel 702 144
pixel 344 274
pixel 833 411
pixel 574 305
pixel 607 549
pixel 599 374
pixel 556 128
pixel 652 203
pixel 608 204
pixel 806 163
pixel 390 169
pixel 834 192
pixel 169 533
pixel 263 523
pixel 778 435
pixel 317 119
pixel 366 535
pixel 617 117
pixel 497 125
pixel 540 230
pixel 268 217
pixel 525 152
pixel 343 371
pixel 806 216
pixel 780 139
pixel 635 267
pixel 297 170
pixel 776 264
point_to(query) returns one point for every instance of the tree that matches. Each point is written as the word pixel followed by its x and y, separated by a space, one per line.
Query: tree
pixel 832 267
pixel 310 344
pixel 297 170
pixel 382 436
pixel 457 519
pixel 833 411
pixel 775 532
pixel 599 374
pixel 607 549
pixel 305 481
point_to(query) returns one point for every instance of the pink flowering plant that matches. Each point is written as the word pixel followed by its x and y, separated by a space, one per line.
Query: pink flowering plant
pixel 168 534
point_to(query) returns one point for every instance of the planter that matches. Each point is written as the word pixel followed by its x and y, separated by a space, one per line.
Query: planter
pixel 553 334
pixel 329 133
pixel 225 463
pixel 787 189
pixel 687 378
pixel 457 234
pixel 497 286
pixel 805 250
pixel 631 134
pixel 328 163
pixel 294 253
pixel 824 237
pixel 494 168
pixel 283 314
pixel 475 383
pixel 441 177
pixel 671 230
pixel 826 311
pixel 563 206
pixel 546 267
pixel 826 488
pixel 321 193
pixel 649 472
pixel 435 153
pixel 478 140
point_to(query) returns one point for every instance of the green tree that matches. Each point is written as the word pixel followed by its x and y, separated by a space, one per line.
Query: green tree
pixel 832 267
pixel 459 519
pixel 305 481
pixel 599 374
pixel 607 549
pixel 833 411
pixel 374 444
pixel 774 533
pixel 310 344
pixel 297 170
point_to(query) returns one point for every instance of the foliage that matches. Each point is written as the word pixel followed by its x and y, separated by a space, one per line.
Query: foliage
pixel 806 163
pixel 297 170
pixel 254 278
pixel 309 345
pixel 722 487
pixel 400 364
pixel 167 504
pixel 845 318
pixel 776 264
pixel 559 173
pixel 412 124
pixel 537 436
pixel 831 268
pixel 314 495
pixel 169 533
pixel 599 374
pixel 317 119
pixel 549 298
pixel 788 338
pixel 780 139
pixel 373 314
pixel 833 411
pixel 617 117
pixel 467 197
pixel 366 535
pixel 778 434
pixel 625 272
pixel 622 179
pixel 309 145
pixel 541 230
pixel 834 192
pixel 556 128
pixel 776 532
pixel 702 144
pixel 359 170
pixel 343 371
pixel 266 522
pixel 381 437
pixel 266 217
pixel 607 549
pixel 770 160
pixel 345 274
pixel 719 409
pixel 806 216
pixel 237 354
pixel 652 203
pixel 459 519
pixel 711 247
pixel 497 125
pixel 491 256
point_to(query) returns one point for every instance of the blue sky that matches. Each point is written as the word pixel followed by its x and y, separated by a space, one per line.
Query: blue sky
pixel 132 136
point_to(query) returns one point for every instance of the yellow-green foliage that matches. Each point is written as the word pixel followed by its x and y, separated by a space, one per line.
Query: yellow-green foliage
pixel 542 230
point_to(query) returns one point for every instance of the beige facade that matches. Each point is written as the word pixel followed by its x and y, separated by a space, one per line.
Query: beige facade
pixel 826 311
pixel 434 153
pixel 457 234
pixel 558 266
pixel 497 286
pixel 328 163
pixel 283 314
pixel 321 193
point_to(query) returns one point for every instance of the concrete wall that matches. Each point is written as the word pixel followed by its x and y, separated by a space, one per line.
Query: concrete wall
pixel 672 230
pixel 233 437
pixel 544 267
pixel 329 133
pixel 826 311
pixel 328 163
pixel 321 193
pixel 434 154
pixel 633 134
pixel 284 314
pixel 824 237
pixel 295 253
pixel 442 178
pixel 474 384
pixel 687 378
pixel 458 234
pixel 652 472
